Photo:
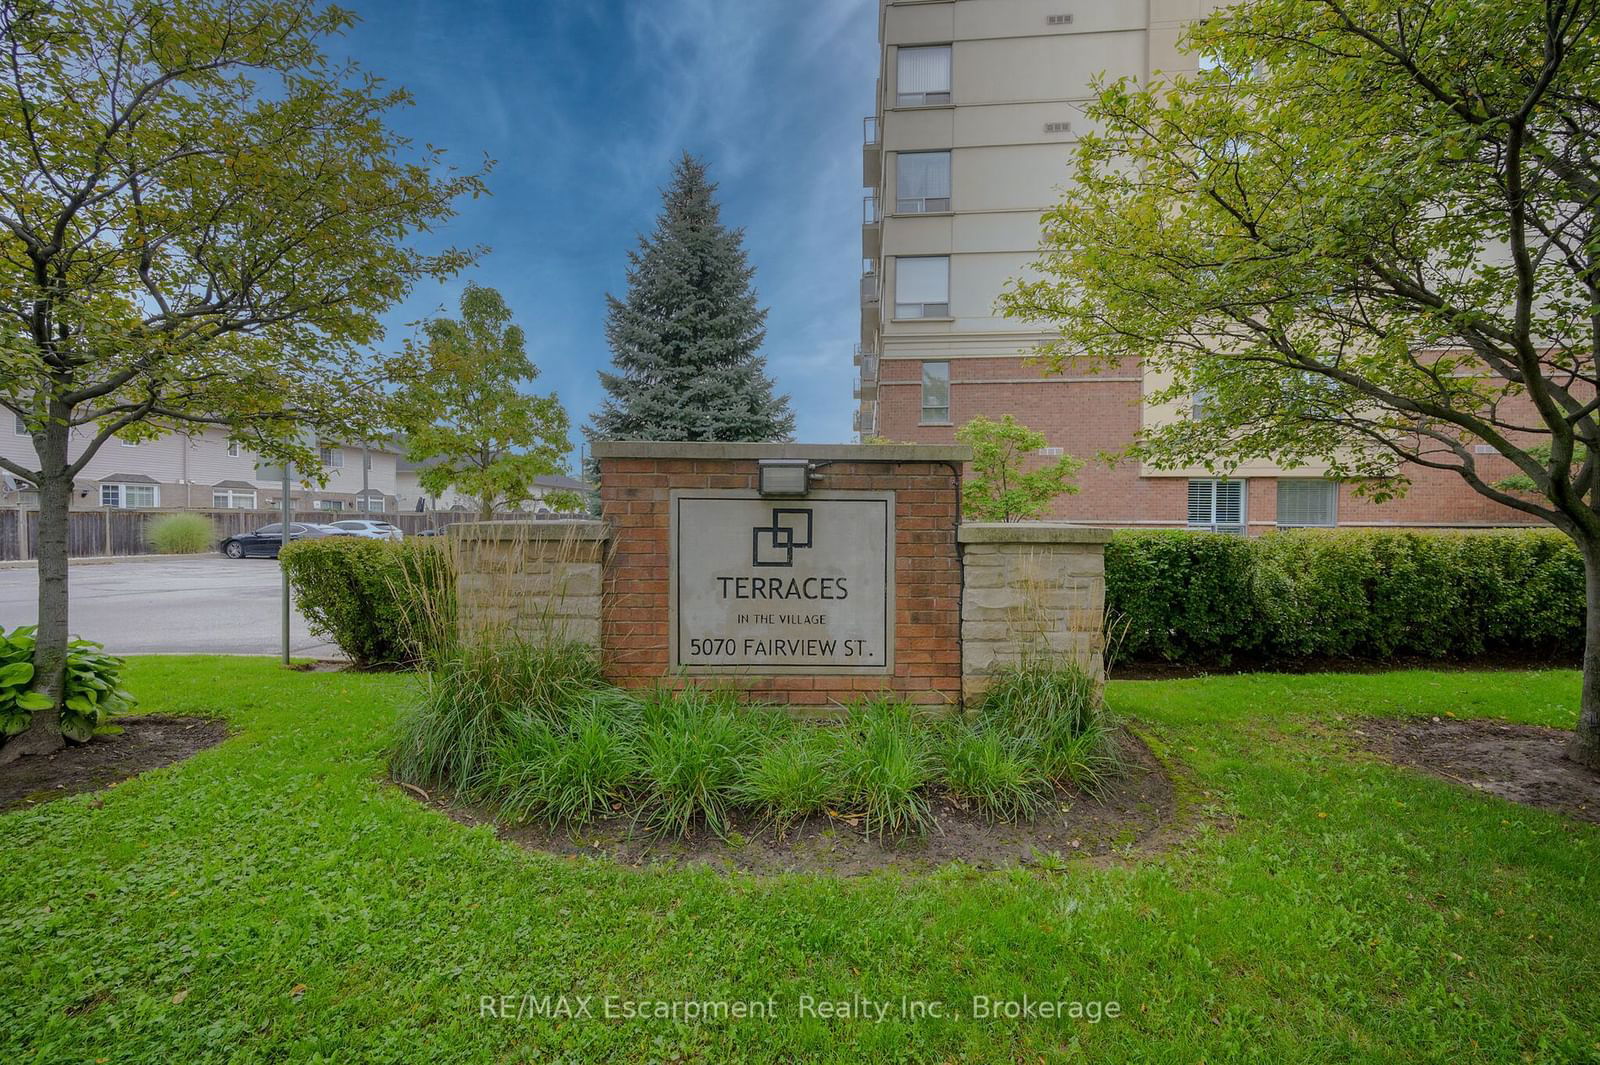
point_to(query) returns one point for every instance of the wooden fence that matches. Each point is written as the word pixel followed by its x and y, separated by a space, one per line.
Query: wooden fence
pixel 99 533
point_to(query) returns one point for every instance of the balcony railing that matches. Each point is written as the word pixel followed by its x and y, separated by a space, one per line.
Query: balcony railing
pixel 869 369
pixel 865 421
pixel 869 211
pixel 869 283
pixel 869 131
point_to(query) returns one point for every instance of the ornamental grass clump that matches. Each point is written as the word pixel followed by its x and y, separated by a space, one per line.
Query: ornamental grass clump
pixel 999 777
pixel 886 762
pixel 795 777
pixel 1051 711
pixel 694 746
pixel 584 767
pixel 471 696
pixel 182 534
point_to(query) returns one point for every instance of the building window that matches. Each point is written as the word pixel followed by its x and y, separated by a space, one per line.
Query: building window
pixel 233 499
pixel 20 427
pixel 923 76
pixel 129 495
pixel 922 182
pixel 330 504
pixel 922 287
pixel 1307 502
pixel 936 393
pixel 234 450
pixel 1200 404
pixel 127 443
pixel 332 456
pixel 370 501
pixel 1217 506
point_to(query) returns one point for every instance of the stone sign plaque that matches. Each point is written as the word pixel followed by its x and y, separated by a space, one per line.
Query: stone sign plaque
pixel 767 585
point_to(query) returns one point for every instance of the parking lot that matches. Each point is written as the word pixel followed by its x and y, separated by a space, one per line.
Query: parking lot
pixel 170 606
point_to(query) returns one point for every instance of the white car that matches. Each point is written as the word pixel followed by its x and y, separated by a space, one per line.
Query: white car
pixel 371 530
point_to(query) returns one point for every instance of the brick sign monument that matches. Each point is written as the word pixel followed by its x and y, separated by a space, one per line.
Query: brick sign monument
pixel 806 574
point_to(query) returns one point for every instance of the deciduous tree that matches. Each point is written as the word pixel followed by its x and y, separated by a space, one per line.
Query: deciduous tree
pixel 201 219
pixel 463 410
pixel 1002 487
pixel 1368 234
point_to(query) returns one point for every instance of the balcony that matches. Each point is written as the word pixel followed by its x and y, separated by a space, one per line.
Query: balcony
pixel 871 228
pixel 865 421
pixel 870 289
pixel 867 381
pixel 871 153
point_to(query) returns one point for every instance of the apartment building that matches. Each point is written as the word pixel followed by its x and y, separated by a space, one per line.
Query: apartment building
pixel 979 103
pixel 204 470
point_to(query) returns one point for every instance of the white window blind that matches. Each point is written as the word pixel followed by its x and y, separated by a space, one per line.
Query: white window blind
pixel 923 76
pixel 1217 506
pixel 922 287
pixel 936 392
pixel 128 495
pixel 922 181
pixel 1305 502
pixel 233 499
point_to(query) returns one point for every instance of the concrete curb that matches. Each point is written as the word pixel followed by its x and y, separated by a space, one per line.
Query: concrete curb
pixel 103 560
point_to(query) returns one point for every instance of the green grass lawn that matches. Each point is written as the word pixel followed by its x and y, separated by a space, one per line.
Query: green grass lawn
pixel 273 900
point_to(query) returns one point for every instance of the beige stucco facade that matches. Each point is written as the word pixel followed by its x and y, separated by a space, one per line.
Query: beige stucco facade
pixel 979 104
pixel 1019 72
pixel 203 470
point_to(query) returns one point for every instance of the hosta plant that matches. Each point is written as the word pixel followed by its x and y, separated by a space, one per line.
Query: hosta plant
pixel 93 690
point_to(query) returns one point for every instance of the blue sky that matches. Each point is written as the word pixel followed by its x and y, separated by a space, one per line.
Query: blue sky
pixel 585 103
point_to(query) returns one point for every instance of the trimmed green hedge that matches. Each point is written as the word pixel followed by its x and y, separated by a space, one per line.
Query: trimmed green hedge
pixel 1205 599
pixel 383 603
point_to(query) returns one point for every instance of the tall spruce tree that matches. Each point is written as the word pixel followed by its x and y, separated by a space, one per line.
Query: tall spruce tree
pixel 685 342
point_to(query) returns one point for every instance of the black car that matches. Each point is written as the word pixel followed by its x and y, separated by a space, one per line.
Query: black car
pixel 438 531
pixel 265 541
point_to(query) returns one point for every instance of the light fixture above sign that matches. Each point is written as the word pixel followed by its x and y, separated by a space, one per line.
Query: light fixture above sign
pixel 784 477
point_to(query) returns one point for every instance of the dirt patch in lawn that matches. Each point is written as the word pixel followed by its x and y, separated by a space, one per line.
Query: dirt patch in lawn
pixel 1523 763
pixel 147 742
pixel 1131 816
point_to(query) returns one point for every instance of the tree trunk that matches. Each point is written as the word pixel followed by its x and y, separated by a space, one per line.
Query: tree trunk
pixel 1584 747
pixel 43 735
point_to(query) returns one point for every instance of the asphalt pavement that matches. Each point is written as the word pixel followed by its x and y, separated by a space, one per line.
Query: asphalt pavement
pixel 186 605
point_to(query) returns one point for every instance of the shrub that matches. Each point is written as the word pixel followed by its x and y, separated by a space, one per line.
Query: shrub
pixel 1179 594
pixel 885 761
pixel 1202 598
pixel 182 534
pixel 383 603
pixel 93 690
pixel 473 693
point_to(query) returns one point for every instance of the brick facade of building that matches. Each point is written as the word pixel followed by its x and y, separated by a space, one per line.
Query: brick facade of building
pixel 1089 414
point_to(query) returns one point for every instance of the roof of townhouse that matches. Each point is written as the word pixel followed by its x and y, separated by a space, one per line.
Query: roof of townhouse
pixel 563 482
pixel 234 484
pixel 554 481
pixel 127 478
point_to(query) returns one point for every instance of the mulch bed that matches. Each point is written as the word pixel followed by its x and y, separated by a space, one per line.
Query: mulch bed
pixel 147 742
pixel 1522 763
pixel 1132 815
